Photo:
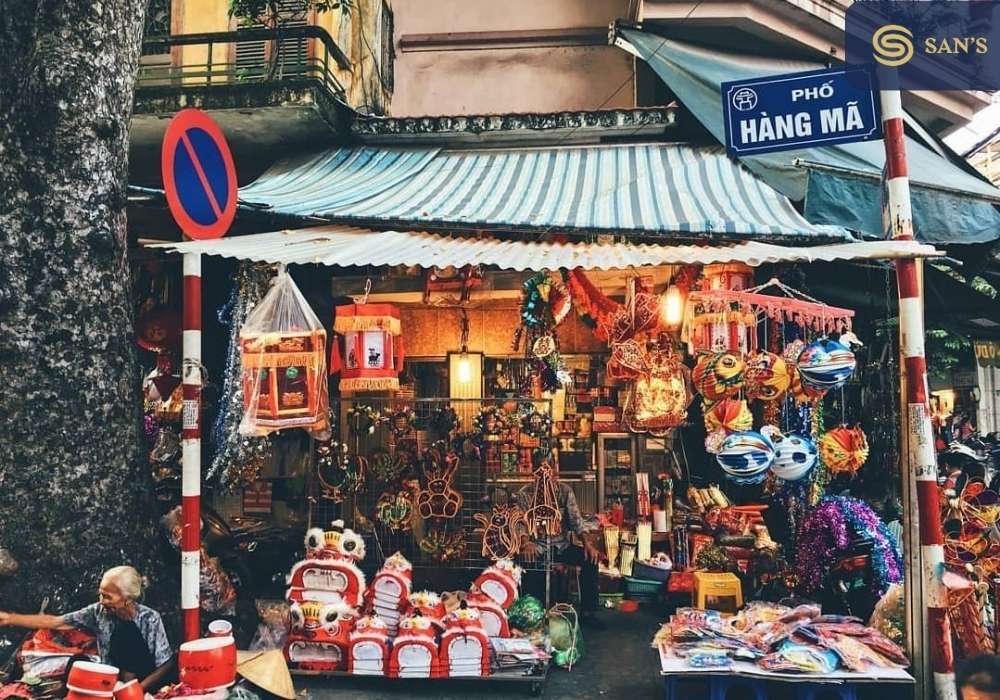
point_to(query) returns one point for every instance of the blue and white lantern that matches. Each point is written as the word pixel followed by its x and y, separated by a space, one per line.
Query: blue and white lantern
pixel 745 457
pixel 794 457
pixel 826 364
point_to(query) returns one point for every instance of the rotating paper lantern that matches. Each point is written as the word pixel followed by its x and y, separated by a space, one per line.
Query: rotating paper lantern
pixel 794 457
pixel 730 415
pixel 368 353
pixel 745 457
pixel 766 376
pixel 844 449
pixel 826 364
pixel 718 375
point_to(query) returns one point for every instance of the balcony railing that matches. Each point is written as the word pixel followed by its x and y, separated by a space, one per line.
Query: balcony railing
pixel 243 57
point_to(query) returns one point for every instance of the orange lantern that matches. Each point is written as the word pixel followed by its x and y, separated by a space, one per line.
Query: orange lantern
pixel 368 354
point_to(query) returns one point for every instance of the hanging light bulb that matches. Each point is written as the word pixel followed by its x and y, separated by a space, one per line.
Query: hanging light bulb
pixel 464 368
pixel 672 307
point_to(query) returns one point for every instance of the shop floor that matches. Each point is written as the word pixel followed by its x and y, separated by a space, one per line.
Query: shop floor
pixel 618 663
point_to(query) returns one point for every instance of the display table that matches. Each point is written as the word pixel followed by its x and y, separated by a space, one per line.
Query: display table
pixel 535 678
pixel 672 667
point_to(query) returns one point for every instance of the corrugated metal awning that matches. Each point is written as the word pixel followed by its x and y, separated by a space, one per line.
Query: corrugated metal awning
pixel 346 246
pixel 648 189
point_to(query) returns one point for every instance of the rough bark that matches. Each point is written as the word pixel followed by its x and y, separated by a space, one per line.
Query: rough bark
pixel 75 491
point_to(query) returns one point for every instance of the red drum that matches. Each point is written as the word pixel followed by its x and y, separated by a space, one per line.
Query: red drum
pixel 88 678
pixel 208 664
pixel 129 691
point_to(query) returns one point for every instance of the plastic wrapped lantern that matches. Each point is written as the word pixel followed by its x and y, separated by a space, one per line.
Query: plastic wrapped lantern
pixel 368 353
pixel 794 457
pixel 745 457
pixel 283 355
pixel 844 449
pixel 825 364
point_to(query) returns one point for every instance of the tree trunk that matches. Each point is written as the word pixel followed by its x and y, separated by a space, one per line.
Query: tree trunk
pixel 75 489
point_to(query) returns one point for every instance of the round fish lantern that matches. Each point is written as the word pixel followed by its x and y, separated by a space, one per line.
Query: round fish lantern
pixel 766 377
pixel 730 415
pixel 844 449
pixel 826 364
pixel 718 375
pixel 368 353
pixel 745 457
pixel 794 457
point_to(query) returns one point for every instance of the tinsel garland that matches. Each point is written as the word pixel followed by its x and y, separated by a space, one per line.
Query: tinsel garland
pixel 828 532
pixel 238 458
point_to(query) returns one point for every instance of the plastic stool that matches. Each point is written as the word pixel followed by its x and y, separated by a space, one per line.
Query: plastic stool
pixel 825 691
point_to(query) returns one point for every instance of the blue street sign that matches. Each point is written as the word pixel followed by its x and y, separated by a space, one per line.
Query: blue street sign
pixel 798 110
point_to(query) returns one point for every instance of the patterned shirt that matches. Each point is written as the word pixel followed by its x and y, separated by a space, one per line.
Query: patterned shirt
pixel 572 520
pixel 96 619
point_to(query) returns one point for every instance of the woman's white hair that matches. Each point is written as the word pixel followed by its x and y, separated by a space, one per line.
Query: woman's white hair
pixel 128 581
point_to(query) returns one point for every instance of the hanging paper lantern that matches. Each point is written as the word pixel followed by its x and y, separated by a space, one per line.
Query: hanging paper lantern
pixel 792 352
pixel 745 457
pixel 368 353
pixel 844 449
pixel 766 376
pixel 826 364
pixel 800 392
pixel 730 415
pixel 794 457
pixel 714 440
pixel 718 375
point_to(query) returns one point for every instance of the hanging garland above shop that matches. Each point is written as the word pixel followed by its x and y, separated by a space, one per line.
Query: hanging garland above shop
pixel 545 303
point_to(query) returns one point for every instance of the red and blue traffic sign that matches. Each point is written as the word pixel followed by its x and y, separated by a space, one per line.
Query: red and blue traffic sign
pixel 199 177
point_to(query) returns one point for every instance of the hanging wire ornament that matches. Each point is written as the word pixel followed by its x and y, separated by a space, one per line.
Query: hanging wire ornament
pixel 340 473
pixel 364 419
pixel 238 457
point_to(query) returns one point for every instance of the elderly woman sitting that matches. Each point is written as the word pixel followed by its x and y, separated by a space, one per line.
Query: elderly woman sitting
pixel 129 634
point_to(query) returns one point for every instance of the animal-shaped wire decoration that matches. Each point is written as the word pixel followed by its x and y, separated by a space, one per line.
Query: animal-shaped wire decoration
pixel 438 497
pixel 504 531
pixel 544 515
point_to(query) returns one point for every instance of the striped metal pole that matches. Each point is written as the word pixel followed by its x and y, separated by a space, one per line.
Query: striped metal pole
pixel 921 457
pixel 191 449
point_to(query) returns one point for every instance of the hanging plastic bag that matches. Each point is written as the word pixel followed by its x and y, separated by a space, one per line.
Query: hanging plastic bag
pixel 283 353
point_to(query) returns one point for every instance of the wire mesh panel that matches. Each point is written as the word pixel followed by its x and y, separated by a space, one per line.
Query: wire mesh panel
pixel 442 461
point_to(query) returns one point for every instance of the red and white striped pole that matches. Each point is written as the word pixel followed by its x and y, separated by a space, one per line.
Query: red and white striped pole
pixel 921 457
pixel 191 449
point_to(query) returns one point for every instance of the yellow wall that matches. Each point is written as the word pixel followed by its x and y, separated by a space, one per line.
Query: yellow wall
pixel 195 17
pixel 353 32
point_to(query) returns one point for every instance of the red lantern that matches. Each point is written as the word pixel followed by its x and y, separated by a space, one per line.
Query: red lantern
pixel 368 352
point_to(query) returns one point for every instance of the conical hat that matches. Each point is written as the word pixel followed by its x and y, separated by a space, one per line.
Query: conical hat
pixel 267 670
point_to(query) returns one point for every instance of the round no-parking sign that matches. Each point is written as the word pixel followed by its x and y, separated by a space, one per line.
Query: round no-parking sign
pixel 199 177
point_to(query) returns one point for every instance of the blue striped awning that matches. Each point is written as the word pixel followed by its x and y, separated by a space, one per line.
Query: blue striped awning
pixel 650 189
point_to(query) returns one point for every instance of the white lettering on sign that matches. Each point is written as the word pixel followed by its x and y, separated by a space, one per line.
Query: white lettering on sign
pixel 832 120
pixel 824 91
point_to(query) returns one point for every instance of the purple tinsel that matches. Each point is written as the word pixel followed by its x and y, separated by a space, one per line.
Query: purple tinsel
pixel 828 531
pixel 150 427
